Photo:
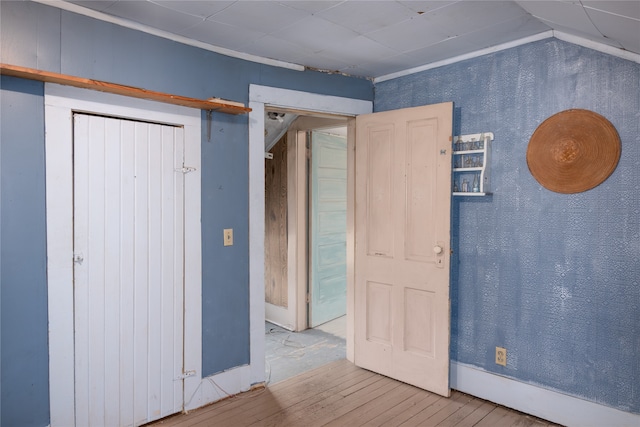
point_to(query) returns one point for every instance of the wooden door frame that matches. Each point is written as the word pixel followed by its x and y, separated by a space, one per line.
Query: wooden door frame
pixel 60 103
pixel 311 103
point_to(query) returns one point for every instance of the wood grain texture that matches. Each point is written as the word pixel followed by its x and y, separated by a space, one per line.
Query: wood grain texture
pixel 402 213
pixel 341 394
pixel 276 257
pixel 214 104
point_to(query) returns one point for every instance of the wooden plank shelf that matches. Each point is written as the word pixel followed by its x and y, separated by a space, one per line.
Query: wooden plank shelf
pixel 214 104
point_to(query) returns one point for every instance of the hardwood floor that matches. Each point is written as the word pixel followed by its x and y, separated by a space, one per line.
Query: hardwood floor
pixel 340 394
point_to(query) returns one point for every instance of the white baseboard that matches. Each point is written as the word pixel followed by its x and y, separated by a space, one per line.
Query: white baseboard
pixel 218 386
pixel 540 402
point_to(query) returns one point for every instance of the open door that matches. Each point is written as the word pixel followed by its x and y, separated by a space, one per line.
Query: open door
pixel 402 244
pixel 305 223
pixel 328 231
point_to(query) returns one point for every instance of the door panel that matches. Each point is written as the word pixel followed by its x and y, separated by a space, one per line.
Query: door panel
pixel 402 228
pixel 128 270
pixel 379 191
pixel 328 227
pixel 378 312
pixel 419 234
pixel 418 319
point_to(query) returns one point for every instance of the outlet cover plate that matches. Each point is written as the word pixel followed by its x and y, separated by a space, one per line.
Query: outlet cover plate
pixel 501 356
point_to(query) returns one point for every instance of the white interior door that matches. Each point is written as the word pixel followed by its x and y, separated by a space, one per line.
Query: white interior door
pixel 328 234
pixel 402 244
pixel 128 270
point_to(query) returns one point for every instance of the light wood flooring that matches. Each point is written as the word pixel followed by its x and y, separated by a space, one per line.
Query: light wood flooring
pixel 340 394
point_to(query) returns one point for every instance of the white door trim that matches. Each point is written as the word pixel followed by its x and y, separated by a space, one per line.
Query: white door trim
pixel 259 96
pixel 60 103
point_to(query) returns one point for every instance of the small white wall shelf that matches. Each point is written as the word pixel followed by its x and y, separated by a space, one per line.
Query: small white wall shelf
pixel 471 161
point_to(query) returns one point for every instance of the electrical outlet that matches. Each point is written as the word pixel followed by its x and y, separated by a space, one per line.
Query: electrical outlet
pixel 501 356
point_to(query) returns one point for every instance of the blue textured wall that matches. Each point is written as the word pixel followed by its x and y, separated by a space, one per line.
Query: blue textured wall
pixel 23 312
pixel 38 36
pixel 554 278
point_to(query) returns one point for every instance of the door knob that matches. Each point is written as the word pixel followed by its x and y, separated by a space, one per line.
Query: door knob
pixel 438 249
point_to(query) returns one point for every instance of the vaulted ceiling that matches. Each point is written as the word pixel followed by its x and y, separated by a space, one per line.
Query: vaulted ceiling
pixel 375 39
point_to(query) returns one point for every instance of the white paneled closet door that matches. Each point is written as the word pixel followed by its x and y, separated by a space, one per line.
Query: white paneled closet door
pixel 128 270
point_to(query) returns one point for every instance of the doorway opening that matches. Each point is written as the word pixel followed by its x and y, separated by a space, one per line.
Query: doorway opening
pixel 260 99
pixel 387 294
pixel 305 241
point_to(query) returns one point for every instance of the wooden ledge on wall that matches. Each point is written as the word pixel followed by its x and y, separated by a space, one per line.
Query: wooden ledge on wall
pixel 212 104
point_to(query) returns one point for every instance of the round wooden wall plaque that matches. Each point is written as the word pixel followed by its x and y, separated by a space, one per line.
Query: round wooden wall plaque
pixel 573 151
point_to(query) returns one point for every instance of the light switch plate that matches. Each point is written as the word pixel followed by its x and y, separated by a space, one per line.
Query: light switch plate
pixel 228 236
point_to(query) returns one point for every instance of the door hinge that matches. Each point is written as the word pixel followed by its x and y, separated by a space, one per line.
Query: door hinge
pixel 308 298
pixel 184 375
pixel 185 169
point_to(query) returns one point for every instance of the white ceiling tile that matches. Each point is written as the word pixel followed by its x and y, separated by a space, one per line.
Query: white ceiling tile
pixel 568 15
pixel 271 47
pixel 222 35
pixel 311 5
pixel 199 8
pixel 153 15
pixel 315 34
pixel 506 31
pixel 446 49
pixel 626 8
pixel 594 35
pixel 425 6
pixel 363 17
pixel 466 17
pixel 262 16
pixel 359 49
pixel 626 31
pixel 409 35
